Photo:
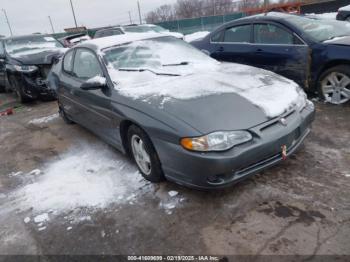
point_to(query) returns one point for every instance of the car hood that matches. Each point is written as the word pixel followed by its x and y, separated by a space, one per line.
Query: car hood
pixel 220 97
pixel 343 40
pixel 38 56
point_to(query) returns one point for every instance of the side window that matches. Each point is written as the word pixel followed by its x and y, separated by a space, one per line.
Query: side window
pixel 217 37
pixel 238 34
pixel 271 34
pixel 117 32
pixel 68 62
pixel 86 65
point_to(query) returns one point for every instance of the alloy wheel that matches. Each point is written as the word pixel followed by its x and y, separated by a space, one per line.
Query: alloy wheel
pixel 336 88
pixel 142 158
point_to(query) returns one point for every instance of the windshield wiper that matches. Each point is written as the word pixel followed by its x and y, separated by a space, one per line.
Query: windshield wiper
pixel 146 69
pixel 178 64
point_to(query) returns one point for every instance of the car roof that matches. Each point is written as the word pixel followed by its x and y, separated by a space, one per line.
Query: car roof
pixel 271 16
pixel 109 41
pixel 25 37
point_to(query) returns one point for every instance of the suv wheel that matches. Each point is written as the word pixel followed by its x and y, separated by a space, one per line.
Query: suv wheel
pixel 22 97
pixel 334 85
pixel 144 155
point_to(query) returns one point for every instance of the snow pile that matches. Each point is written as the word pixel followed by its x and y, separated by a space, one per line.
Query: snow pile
pixel 196 36
pixel 43 120
pixel 345 8
pixel 90 177
pixel 325 16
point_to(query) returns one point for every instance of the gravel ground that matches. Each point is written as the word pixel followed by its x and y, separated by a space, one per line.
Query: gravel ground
pixel 63 191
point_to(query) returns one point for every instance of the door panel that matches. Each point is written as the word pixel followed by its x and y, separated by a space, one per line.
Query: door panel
pixel 94 106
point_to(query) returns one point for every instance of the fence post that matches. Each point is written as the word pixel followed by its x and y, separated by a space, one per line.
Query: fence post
pixel 178 26
pixel 202 23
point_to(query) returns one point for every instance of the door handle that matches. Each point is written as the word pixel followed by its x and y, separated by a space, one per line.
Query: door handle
pixel 259 50
pixel 221 49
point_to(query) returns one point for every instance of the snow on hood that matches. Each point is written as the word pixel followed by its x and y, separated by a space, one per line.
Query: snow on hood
pixel 272 93
pixel 196 36
pixel 345 8
pixel 41 50
pixel 174 34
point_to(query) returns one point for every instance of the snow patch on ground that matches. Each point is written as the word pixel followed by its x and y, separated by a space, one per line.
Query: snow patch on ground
pixel 45 119
pixel 170 204
pixel 87 177
pixel 196 36
pixel 41 218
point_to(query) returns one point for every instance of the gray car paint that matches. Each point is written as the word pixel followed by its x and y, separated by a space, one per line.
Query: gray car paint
pixel 103 111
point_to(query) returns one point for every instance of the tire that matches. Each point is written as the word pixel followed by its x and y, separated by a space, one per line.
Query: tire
pixel 18 90
pixel 334 85
pixel 151 171
pixel 64 116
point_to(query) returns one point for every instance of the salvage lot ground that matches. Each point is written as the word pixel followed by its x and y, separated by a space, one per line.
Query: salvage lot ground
pixel 63 191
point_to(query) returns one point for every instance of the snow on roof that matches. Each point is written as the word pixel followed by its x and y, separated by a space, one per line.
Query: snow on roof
pixel 345 8
pixel 105 42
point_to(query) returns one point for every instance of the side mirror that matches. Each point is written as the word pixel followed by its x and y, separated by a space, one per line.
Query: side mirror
pixel 95 83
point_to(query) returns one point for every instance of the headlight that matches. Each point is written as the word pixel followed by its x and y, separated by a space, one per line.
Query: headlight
pixel 218 141
pixel 25 68
pixel 302 100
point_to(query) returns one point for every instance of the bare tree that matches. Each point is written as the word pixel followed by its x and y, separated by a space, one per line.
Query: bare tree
pixel 188 8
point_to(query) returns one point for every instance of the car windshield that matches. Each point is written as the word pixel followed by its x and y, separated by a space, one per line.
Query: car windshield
pixel 144 29
pixel 321 30
pixel 156 53
pixel 19 45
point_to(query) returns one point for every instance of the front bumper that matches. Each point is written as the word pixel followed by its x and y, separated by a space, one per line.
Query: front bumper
pixel 35 87
pixel 223 169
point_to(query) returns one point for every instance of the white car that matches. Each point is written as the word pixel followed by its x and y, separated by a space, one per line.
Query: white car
pixel 145 28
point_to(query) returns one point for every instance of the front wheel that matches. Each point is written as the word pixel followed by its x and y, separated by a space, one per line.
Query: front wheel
pixel 334 85
pixel 144 155
pixel 18 89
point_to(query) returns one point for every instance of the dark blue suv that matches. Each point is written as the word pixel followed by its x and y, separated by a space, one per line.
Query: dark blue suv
pixel 314 53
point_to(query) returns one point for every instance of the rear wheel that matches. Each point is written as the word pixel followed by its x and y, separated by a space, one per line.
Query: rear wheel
pixel 144 155
pixel 334 85
pixel 18 89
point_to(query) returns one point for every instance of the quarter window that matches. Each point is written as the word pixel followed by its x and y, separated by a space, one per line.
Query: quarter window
pixel 68 62
pixel 271 34
pixel 238 34
pixel 86 65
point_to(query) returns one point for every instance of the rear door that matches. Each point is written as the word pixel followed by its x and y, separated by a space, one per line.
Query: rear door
pixel 233 44
pixel 2 64
pixel 279 50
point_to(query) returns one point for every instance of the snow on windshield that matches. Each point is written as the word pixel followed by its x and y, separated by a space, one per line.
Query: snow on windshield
pixel 27 45
pixel 155 54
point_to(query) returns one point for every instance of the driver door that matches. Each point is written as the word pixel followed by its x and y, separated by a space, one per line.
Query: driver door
pixel 94 105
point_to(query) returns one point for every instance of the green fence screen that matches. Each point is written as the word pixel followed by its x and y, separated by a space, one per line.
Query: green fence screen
pixel 208 23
